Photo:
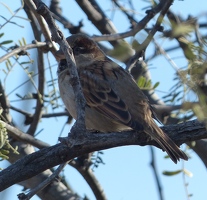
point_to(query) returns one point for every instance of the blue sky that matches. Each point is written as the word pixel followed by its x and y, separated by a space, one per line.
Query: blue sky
pixel 127 173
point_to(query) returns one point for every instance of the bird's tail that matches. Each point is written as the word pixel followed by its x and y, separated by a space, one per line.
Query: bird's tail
pixel 165 142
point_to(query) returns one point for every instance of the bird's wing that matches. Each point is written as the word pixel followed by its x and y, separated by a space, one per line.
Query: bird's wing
pixel 100 95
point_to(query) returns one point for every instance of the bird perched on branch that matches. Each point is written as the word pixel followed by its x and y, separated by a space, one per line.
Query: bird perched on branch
pixel 114 101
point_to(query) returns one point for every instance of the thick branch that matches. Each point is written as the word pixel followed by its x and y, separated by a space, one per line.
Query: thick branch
pixel 37 162
pixel 98 18
pixel 86 173
pixel 91 179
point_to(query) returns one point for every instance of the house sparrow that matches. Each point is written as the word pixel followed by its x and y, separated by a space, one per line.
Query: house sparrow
pixel 114 101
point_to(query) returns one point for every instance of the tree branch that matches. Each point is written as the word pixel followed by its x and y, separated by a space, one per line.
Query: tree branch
pixel 98 18
pixel 155 172
pixel 39 161
pixel 57 36
pixel 54 191
pixel 23 48
pixel 42 23
pixel 138 27
pixel 91 179
pixel 42 185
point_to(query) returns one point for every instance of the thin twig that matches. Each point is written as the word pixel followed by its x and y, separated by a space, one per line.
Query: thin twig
pixel 40 93
pixel 22 48
pixel 154 169
pixel 42 23
pixel 42 185
pixel 157 27
pixel 162 6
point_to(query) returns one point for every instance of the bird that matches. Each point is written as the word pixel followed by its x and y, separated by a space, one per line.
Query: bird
pixel 114 102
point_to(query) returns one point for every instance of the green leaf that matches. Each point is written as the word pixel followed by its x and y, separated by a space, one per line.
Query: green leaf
pixel 145 84
pixel 20 43
pixel 141 82
pixel 4 71
pixel 26 63
pixel 1 34
pixel 18 95
pixel 156 85
pixel 8 65
pixel 174 96
pixel 3 156
pixel 171 173
pixel 6 42
pixel 148 84
pixel 24 41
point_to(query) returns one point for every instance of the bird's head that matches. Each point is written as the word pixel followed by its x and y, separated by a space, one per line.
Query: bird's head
pixel 85 50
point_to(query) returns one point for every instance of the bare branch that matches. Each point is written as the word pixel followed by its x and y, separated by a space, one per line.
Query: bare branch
pixel 39 103
pixel 163 6
pixel 154 169
pixel 98 18
pixel 91 179
pixel 57 14
pixel 41 186
pixel 54 191
pixel 43 25
pixel 58 37
pixel 23 48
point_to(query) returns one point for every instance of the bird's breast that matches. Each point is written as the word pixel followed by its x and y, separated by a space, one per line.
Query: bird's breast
pixel 66 93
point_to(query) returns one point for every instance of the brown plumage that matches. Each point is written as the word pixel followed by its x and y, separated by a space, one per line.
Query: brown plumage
pixel 114 101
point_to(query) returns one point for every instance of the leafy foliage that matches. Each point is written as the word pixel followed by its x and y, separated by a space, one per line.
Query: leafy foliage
pixel 5 146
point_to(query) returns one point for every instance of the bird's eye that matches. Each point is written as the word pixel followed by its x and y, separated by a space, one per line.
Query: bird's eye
pixel 79 50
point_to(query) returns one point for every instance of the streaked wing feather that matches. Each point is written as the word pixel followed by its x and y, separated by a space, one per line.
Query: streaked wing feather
pixel 101 97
